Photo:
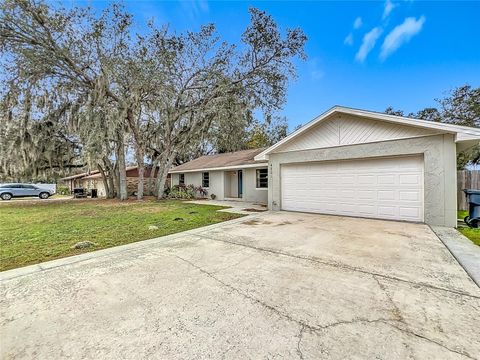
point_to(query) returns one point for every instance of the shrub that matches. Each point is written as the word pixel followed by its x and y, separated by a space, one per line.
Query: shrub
pixel 63 190
pixel 185 192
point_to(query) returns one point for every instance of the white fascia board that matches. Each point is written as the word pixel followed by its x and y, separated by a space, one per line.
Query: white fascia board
pixel 236 167
pixel 462 132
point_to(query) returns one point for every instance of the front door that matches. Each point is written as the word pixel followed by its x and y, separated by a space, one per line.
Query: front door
pixel 240 183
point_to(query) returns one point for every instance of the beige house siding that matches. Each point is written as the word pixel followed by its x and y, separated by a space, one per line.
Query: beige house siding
pixel 195 178
pixel 344 129
pixel 250 191
pixel 224 184
pixel 217 182
pixel 90 184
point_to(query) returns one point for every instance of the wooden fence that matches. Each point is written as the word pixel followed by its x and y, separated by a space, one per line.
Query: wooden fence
pixel 466 179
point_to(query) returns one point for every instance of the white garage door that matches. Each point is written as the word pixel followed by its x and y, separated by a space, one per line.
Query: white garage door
pixel 386 188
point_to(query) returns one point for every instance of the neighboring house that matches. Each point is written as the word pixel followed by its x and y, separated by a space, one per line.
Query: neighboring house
pixel 347 162
pixel 76 181
pixel 93 180
pixel 227 176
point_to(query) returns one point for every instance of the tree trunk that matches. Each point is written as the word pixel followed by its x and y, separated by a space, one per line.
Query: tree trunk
pixel 116 178
pixel 122 169
pixel 151 186
pixel 111 185
pixel 141 172
pixel 104 179
pixel 110 176
pixel 164 166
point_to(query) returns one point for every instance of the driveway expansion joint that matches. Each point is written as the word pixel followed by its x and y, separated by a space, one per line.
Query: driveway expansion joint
pixel 317 329
pixel 340 266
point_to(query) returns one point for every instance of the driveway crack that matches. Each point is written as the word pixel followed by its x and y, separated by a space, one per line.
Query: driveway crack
pixel 319 329
pixel 300 337
pixel 340 266
pixel 396 311
pixel 246 295
pixel 304 326
pixel 410 332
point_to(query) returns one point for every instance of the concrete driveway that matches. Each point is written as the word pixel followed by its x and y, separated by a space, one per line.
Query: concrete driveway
pixel 272 285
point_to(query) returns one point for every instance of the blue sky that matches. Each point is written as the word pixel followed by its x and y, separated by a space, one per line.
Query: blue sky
pixel 368 55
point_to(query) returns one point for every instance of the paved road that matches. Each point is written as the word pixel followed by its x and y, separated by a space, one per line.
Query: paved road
pixel 275 285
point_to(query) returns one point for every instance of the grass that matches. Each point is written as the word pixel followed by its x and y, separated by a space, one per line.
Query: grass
pixel 472 234
pixel 31 233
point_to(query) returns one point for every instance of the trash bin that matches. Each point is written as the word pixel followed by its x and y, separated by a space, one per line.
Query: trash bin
pixel 94 193
pixel 473 199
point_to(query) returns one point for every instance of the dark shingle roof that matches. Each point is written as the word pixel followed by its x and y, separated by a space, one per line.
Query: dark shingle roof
pixel 237 158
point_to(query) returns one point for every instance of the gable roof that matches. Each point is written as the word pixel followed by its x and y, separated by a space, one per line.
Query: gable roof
pixel 81 175
pixel 94 174
pixel 462 133
pixel 220 161
pixel 98 175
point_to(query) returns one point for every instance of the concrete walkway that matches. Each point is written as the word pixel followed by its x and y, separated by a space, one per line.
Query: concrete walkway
pixel 237 207
pixel 465 251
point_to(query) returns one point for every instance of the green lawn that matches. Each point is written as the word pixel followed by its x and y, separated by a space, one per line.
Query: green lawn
pixel 33 233
pixel 472 234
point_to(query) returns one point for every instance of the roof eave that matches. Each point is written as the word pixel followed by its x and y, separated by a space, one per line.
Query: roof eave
pixel 232 167
pixel 446 128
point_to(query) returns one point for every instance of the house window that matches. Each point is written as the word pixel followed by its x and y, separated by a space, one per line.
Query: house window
pixel 181 179
pixel 205 179
pixel 262 178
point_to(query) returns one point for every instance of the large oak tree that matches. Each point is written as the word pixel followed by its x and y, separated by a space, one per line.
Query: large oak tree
pixel 160 92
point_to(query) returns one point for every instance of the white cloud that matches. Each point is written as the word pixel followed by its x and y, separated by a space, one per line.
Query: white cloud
pixel 357 24
pixel 348 40
pixel 400 35
pixel 368 43
pixel 316 72
pixel 195 8
pixel 387 9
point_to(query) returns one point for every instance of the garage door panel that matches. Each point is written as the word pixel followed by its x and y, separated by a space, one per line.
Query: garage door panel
pixel 409 179
pixel 386 195
pixel 347 180
pixel 386 211
pixel 367 210
pixel 390 188
pixel 387 179
pixel 366 180
pixel 409 212
pixel 407 195
pixel 366 194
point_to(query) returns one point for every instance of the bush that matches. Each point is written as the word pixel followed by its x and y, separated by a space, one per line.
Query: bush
pixel 185 192
pixel 63 190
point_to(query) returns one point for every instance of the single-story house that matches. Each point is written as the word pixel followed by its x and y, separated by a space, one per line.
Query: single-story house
pixel 227 176
pixel 346 162
pixel 76 181
pixel 93 180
